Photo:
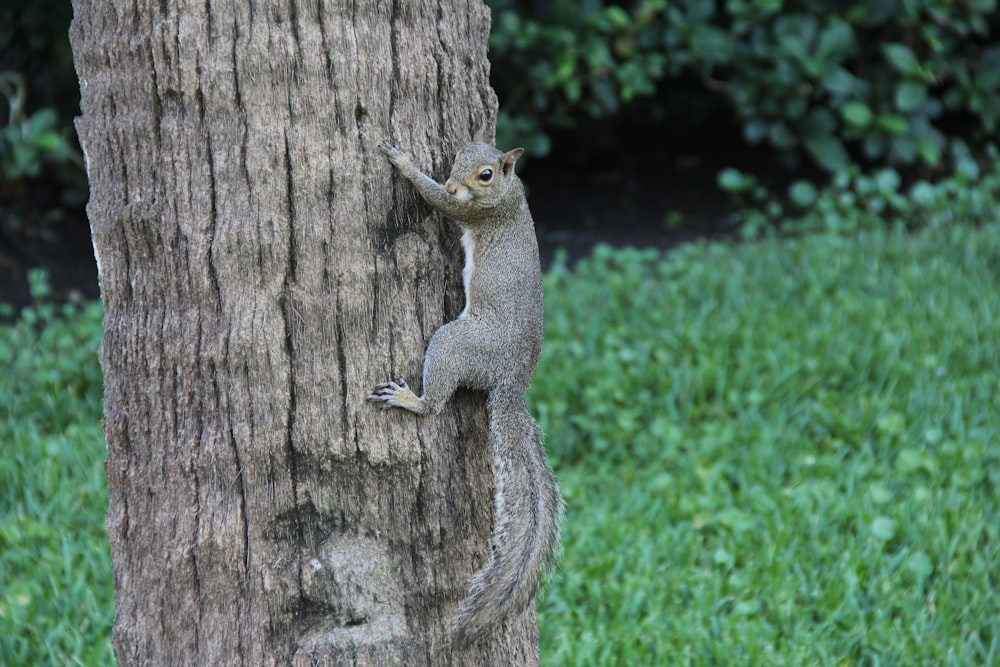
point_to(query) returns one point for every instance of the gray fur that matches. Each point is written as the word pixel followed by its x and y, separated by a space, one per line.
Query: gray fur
pixel 494 347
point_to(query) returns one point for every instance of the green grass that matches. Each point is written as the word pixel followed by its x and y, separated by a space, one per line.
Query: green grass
pixel 777 453
pixel 56 603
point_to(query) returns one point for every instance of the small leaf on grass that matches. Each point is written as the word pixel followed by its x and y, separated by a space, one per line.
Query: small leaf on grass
pixel 723 558
pixel 919 565
pixel 879 494
pixel 911 460
pixel 747 608
pixel 883 528
pixel 891 424
pixel 736 520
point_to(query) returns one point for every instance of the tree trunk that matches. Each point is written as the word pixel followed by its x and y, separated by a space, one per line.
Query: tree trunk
pixel 255 251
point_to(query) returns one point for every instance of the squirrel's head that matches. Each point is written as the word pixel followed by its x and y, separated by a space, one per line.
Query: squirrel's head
pixel 482 174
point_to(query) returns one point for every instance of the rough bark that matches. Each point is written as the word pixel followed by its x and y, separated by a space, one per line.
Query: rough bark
pixel 255 254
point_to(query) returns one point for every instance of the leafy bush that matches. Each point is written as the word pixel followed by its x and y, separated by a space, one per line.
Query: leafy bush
pixel 38 84
pixel 27 142
pixel 853 200
pixel 877 77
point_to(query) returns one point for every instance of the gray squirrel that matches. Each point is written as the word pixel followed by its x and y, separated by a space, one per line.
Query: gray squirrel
pixel 492 346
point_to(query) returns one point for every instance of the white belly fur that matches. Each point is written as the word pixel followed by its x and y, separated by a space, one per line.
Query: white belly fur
pixel 469 246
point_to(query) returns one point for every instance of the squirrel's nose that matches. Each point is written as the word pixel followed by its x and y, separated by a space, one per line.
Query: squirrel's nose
pixel 451 186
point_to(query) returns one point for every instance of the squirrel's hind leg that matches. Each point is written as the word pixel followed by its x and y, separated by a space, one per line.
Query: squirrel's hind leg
pixel 455 357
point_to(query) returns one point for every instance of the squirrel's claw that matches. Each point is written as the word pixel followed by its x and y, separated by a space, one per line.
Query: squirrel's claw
pixel 394 153
pixel 397 395
pixel 385 392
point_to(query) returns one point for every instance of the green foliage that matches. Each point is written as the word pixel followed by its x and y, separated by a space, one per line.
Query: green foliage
pixel 585 58
pixel 38 84
pixel 777 453
pixel 55 575
pixel 874 79
pixel 29 141
pixel 853 200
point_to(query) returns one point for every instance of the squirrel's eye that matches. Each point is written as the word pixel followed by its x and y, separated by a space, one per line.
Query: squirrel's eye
pixel 486 175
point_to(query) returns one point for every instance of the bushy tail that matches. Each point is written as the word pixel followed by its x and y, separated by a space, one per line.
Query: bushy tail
pixel 527 509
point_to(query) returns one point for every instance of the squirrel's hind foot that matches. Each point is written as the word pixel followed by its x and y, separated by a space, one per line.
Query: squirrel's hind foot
pixel 396 395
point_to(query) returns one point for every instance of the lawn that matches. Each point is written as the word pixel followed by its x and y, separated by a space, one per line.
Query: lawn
pixel 55 572
pixel 779 453
pixel 773 453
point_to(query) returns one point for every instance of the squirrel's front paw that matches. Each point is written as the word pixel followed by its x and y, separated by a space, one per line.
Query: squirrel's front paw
pixel 396 395
pixel 396 156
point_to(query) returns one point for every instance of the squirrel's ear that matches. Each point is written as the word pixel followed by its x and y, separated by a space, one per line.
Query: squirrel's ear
pixel 509 158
